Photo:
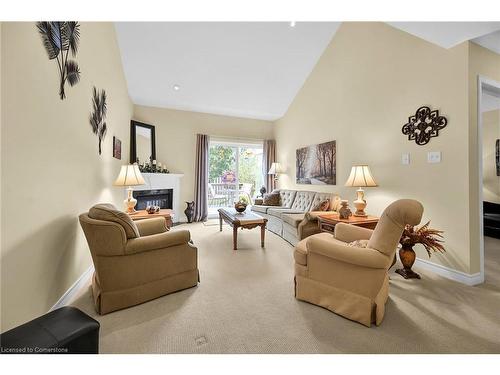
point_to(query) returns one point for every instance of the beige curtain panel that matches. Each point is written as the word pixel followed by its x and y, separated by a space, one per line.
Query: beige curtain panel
pixel 201 178
pixel 269 157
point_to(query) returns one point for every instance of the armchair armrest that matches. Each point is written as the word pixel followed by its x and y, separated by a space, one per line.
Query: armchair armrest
pixel 151 226
pixel 348 233
pixel 364 257
pixel 157 241
pixel 313 215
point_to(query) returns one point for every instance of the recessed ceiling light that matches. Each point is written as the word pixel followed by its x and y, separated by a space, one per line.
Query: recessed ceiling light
pixel 292 24
pixel 177 87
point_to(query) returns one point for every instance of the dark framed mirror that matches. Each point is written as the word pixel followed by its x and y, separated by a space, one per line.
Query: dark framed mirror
pixel 142 142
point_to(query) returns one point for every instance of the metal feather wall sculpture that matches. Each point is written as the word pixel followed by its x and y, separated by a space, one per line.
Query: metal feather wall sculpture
pixel 97 117
pixel 59 39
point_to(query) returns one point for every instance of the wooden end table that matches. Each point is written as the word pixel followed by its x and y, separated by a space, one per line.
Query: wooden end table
pixel 165 213
pixel 327 221
pixel 246 220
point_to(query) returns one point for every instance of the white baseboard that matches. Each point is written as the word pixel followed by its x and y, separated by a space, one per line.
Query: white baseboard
pixel 73 289
pixel 449 273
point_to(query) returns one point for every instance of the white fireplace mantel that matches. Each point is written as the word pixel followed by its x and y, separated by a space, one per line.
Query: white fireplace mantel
pixel 172 181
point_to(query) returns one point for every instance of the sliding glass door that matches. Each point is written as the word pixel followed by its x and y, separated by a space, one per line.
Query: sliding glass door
pixel 235 172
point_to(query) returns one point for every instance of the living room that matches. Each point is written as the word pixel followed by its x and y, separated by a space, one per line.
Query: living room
pixel 250 187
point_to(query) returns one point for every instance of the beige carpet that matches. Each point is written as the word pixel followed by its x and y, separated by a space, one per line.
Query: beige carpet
pixel 245 304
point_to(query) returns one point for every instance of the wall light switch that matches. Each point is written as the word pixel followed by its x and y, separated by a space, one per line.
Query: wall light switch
pixel 405 159
pixel 434 157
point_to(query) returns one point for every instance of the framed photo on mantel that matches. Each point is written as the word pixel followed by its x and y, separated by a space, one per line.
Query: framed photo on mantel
pixel 117 148
pixel 317 164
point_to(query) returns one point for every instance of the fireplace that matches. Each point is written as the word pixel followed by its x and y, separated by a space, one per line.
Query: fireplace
pixel 159 197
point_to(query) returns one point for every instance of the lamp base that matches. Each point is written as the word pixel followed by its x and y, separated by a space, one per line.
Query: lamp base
pixel 130 202
pixel 360 204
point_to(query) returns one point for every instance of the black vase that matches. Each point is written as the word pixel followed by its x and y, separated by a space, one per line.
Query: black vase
pixel 189 211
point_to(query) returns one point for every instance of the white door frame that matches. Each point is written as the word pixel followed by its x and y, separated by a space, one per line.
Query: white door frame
pixel 483 84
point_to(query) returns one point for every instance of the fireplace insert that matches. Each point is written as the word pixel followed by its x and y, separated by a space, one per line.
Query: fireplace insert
pixel 161 197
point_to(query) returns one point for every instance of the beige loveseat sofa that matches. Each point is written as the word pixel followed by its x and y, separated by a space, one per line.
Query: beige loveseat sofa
pixel 136 261
pixel 293 219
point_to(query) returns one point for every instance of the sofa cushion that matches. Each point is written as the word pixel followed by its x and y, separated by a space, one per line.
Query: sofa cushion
pixel 303 200
pixel 108 212
pixel 278 211
pixel 271 199
pixel 292 219
pixel 261 209
pixel 287 197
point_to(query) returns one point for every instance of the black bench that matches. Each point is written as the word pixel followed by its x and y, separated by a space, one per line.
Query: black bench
pixel 65 330
pixel 491 214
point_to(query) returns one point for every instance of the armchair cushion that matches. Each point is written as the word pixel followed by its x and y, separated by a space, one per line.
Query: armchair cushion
pixel 349 233
pixel 335 249
pixel 151 226
pixel 157 241
pixel 108 212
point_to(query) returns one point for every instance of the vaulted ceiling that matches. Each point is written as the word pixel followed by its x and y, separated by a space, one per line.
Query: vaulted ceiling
pixel 246 69
pixel 243 69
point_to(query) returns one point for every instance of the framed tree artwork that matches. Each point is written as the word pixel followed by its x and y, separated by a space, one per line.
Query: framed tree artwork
pixel 317 164
pixel 117 148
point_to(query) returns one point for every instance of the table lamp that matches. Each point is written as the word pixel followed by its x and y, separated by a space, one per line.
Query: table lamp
pixel 129 176
pixel 275 170
pixel 360 177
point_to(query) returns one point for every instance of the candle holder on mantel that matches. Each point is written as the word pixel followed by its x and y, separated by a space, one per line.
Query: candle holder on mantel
pixel 152 167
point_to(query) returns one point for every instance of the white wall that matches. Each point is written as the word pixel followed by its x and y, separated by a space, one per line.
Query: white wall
pixel 370 79
pixel 50 167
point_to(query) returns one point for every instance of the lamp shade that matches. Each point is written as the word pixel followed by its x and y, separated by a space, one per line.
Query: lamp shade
pixel 361 177
pixel 275 168
pixel 129 176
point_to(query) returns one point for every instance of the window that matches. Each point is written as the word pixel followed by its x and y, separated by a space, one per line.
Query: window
pixel 235 171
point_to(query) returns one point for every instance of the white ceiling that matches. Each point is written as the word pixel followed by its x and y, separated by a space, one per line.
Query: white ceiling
pixel 489 102
pixel 447 34
pixel 244 69
pixel 490 41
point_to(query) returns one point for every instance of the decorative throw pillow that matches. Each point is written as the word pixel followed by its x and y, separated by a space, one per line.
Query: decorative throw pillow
pixel 358 243
pixel 324 205
pixel 335 203
pixel 271 199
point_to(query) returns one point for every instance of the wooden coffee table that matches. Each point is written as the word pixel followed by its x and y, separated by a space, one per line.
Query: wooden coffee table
pixel 327 221
pixel 247 220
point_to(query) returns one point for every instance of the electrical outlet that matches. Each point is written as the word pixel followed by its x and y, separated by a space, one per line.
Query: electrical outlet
pixel 405 159
pixel 434 157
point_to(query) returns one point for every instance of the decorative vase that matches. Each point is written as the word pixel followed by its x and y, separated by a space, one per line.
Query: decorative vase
pixel 262 191
pixel 344 211
pixel 407 256
pixel 240 207
pixel 189 211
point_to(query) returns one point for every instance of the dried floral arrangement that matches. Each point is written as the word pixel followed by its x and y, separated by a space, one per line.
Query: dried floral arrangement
pixel 430 238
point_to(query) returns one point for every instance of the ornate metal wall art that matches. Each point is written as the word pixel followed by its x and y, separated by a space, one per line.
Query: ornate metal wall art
pixel 424 125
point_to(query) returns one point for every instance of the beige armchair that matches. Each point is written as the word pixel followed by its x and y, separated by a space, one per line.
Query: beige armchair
pixel 336 273
pixel 136 261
